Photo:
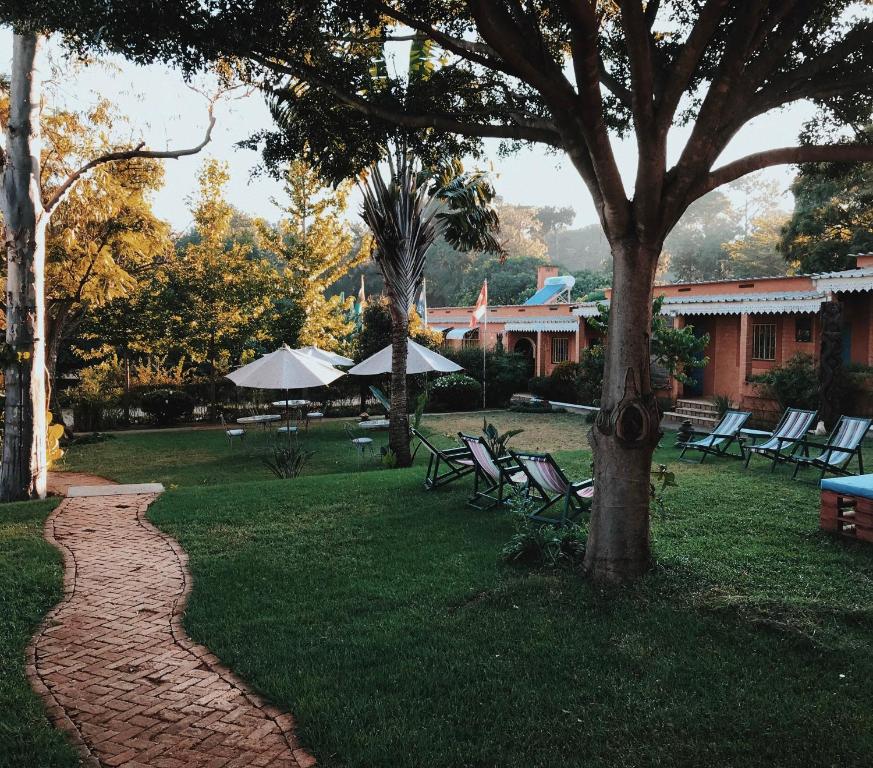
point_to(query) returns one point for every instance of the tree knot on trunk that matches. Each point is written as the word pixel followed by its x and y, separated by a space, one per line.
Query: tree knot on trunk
pixel 634 421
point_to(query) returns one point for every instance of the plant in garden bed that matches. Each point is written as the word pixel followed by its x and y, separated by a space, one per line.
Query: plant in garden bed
pixel 167 406
pixel 456 392
pixel 288 460
pixel 541 545
pixel 498 441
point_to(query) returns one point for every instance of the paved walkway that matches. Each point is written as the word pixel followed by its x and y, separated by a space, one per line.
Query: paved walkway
pixel 115 667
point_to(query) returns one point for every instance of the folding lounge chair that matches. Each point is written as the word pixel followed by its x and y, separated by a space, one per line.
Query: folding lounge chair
pixel 721 438
pixel 547 482
pixel 493 474
pixel 785 439
pixel 843 443
pixel 455 463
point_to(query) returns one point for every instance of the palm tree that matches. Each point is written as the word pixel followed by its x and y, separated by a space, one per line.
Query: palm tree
pixel 406 214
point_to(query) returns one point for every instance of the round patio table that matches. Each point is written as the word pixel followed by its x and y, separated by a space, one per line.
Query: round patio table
pixel 374 424
pixel 263 419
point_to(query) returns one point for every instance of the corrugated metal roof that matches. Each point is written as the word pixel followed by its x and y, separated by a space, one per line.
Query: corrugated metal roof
pixel 701 298
pixel 458 333
pixel 543 324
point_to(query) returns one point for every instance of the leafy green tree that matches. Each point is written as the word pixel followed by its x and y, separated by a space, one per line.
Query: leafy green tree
pixel 694 247
pixel 213 295
pixel 314 249
pixel 570 75
pixel 757 254
pixel 833 216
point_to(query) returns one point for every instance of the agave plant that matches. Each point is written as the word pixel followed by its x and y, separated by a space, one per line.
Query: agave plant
pixel 406 213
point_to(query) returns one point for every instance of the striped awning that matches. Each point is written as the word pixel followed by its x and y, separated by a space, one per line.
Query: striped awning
pixel 562 324
pixel 458 333
pixel 801 303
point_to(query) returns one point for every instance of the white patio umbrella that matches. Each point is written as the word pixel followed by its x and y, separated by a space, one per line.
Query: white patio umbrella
pixel 419 360
pixel 331 358
pixel 285 369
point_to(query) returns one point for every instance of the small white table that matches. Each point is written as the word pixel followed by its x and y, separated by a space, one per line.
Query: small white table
pixel 290 403
pixel 374 424
pixel 263 419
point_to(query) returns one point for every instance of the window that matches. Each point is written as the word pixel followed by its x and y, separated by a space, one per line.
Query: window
pixel 471 338
pixel 560 350
pixel 803 328
pixel 764 341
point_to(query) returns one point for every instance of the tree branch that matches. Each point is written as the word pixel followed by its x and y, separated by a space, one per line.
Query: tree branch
pixel 526 129
pixel 813 153
pixel 689 58
pixel 477 52
pixel 129 154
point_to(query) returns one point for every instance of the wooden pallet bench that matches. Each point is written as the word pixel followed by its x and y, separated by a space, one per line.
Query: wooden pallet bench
pixel 847 506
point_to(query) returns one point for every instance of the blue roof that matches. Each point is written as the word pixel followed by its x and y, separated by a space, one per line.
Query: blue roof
pixel 546 294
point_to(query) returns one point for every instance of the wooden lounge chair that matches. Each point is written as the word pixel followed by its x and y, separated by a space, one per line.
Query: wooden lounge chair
pixel 843 444
pixel 445 465
pixel 721 438
pixel 493 475
pixel 785 439
pixel 548 483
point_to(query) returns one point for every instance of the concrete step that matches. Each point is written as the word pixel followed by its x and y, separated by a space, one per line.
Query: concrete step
pixel 698 421
pixel 697 404
pixel 700 412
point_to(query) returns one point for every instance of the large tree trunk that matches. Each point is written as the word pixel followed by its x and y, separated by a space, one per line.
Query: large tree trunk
pixel 398 428
pixel 627 430
pixel 23 473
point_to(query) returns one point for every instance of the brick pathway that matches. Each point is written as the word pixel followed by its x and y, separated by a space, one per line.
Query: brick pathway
pixel 115 667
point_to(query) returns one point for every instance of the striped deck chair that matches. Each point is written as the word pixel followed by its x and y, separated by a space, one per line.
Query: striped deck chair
pixel 720 439
pixel 785 439
pixel 493 474
pixel 843 443
pixel 547 482
pixel 455 463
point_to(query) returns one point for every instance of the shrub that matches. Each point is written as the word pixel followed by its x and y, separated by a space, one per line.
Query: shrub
pixel 541 386
pixel 506 373
pixel 95 399
pixel 167 406
pixel 792 385
pixel 590 380
pixel 457 392
pixel 564 382
pixel 541 545
pixel 723 404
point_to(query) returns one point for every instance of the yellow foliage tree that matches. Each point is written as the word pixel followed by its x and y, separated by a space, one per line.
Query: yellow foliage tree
pixel 314 247
pixel 215 291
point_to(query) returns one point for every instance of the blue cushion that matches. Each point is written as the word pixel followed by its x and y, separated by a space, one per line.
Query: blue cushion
pixel 859 485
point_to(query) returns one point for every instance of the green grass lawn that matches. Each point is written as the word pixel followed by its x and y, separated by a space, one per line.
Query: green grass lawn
pixel 30 584
pixel 381 615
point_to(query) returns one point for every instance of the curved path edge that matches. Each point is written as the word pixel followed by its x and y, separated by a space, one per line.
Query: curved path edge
pixel 58 714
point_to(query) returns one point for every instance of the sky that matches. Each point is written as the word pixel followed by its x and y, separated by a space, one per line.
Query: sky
pixel 166 113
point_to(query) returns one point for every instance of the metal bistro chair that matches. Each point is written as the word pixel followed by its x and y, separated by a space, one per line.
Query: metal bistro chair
pixel 360 443
pixel 232 432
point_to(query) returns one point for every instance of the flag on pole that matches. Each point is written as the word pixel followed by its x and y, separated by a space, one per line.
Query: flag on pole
pixel 421 307
pixel 481 308
pixel 362 296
